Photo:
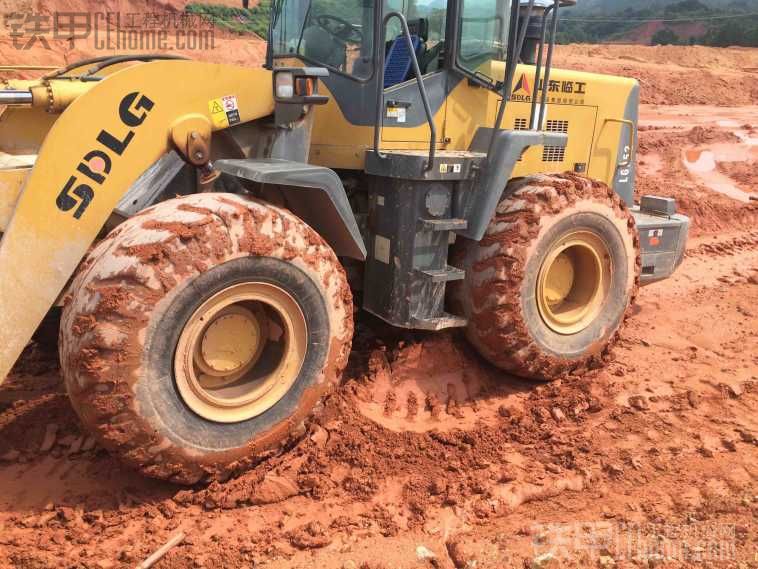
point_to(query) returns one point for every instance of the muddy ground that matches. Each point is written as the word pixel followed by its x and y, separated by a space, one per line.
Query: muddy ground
pixel 651 462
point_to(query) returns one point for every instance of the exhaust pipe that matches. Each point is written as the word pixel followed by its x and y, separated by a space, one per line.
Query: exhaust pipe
pixel 12 97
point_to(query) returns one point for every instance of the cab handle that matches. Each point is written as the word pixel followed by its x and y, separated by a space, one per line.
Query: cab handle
pixel 632 131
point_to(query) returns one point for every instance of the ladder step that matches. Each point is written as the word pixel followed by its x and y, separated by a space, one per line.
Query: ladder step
pixel 440 323
pixel 444 275
pixel 445 224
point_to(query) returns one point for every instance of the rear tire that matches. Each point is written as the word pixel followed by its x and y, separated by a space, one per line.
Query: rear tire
pixel 549 286
pixel 133 335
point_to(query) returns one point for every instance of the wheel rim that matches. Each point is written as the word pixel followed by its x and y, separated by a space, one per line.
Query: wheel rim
pixel 240 352
pixel 573 282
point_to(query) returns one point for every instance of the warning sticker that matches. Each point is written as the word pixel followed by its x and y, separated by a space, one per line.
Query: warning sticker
pixel 224 111
pixel 450 168
pixel 397 113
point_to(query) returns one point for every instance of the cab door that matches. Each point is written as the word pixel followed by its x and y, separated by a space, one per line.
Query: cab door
pixel 404 119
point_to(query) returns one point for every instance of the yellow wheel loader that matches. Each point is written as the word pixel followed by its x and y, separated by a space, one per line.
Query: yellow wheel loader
pixel 196 221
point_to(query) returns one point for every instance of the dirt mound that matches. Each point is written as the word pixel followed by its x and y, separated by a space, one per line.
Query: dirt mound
pixel 673 75
pixel 743 173
pixel 109 6
pixel 690 57
pixel 196 41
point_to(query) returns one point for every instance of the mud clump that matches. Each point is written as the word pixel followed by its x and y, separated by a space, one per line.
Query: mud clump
pixel 310 536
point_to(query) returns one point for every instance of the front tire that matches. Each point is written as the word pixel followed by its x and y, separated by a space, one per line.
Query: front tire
pixel 201 333
pixel 551 283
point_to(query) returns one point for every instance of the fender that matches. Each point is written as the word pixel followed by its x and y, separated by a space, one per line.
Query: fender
pixel 91 156
pixel 314 193
pixel 478 207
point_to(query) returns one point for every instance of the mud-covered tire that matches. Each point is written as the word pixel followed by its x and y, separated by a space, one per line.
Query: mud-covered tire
pixel 498 295
pixel 136 291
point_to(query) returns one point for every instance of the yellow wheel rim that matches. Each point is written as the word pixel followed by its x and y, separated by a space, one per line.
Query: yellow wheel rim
pixel 240 352
pixel 573 282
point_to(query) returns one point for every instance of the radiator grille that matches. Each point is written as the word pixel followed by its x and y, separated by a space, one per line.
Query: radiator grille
pixel 557 126
pixel 555 153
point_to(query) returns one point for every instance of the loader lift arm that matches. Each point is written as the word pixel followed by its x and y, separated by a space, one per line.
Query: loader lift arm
pixel 94 152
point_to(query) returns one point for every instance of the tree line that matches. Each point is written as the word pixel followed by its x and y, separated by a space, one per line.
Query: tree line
pixel 717 30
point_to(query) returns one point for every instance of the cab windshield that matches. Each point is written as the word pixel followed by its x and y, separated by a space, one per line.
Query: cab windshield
pixel 334 33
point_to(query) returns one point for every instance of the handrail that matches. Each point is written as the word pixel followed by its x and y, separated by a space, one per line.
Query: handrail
pixel 511 61
pixel 548 64
pixel 515 49
pixel 422 90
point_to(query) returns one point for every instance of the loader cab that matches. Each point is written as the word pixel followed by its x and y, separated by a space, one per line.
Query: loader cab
pixel 368 59
pixel 341 35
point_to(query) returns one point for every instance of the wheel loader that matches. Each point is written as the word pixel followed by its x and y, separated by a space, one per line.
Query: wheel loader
pixel 208 229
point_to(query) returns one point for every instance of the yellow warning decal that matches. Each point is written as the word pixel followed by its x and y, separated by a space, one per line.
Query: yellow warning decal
pixel 218 114
pixel 224 111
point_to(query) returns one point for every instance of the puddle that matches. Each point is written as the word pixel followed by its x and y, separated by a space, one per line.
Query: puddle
pixel 702 163
pixel 728 123
pixel 687 116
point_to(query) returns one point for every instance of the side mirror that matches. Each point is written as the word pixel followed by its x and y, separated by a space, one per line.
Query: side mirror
pixel 294 88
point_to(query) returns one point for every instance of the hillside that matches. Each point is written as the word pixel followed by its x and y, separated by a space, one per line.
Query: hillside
pixel 719 23
pixel 608 7
pixel 645 33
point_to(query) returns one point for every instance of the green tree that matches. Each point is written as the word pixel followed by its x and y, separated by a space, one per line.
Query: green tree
pixel 664 36
pixel 240 20
pixel 686 8
pixel 742 32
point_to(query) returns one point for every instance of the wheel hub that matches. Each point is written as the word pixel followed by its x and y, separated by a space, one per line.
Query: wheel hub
pixel 559 280
pixel 240 352
pixel 573 282
pixel 229 343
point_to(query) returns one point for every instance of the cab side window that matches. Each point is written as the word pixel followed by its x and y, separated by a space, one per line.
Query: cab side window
pixel 483 34
pixel 426 22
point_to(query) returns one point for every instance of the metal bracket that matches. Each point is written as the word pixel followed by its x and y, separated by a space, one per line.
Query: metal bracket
pixel 150 185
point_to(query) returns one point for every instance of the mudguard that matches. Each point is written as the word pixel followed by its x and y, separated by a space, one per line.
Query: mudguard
pixel 314 193
pixel 478 207
pixel 91 156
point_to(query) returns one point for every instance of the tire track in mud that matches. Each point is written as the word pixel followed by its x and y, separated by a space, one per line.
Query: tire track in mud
pixel 730 246
pixel 507 449
pixel 532 444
